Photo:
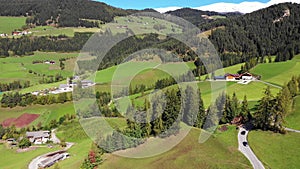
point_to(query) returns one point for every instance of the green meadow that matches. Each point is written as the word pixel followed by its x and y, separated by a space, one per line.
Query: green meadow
pixel 293 119
pixel 17 68
pixel 278 73
pixel 47 112
pixel 253 91
pixel 9 24
pixel 276 150
pixel 138 73
pixel 141 25
pixel 219 151
pixel 53 31
pixel 11 159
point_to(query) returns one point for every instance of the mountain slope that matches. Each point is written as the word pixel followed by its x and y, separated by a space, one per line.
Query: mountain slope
pixel 198 17
pixel 63 12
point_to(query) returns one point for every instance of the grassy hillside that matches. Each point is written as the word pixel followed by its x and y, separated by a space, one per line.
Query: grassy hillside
pixel 276 151
pixel 292 120
pixel 220 151
pixel 278 73
pixel 146 73
pixel 9 24
pixel 253 91
pixel 141 25
pixel 47 112
pixel 10 159
pixel 52 31
pixel 17 68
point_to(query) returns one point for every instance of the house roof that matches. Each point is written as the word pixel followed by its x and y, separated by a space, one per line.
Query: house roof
pixel 87 81
pixel 219 77
pixel 233 75
pixel 246 74
pixel 63 86
pixel 38 134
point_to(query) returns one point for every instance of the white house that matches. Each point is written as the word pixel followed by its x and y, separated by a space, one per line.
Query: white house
pixel 247 76
pixel 38 137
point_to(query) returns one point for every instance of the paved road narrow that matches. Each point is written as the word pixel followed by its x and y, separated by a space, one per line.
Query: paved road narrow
pixel 246 150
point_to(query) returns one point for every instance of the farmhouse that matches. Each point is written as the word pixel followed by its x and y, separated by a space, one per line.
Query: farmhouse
pixel 38 137
pixel 232 77
pixel 246 76
pixel 19 33
pixel 236 77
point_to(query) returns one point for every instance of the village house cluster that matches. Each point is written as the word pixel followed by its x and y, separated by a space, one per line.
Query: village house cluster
pixel 243 78
pixel 64 88
pixel 20 33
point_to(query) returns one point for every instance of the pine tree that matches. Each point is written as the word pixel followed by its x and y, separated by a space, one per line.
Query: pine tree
pixel 285 101
pixel 190 109
pixel 201 113
pixel 264 115
pixel 245 112
pixel 235 105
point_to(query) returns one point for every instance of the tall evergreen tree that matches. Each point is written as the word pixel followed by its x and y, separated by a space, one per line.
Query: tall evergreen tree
pixel 264 113
pixel 245 112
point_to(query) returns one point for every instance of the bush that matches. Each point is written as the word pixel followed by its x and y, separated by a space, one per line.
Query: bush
pixel 24 143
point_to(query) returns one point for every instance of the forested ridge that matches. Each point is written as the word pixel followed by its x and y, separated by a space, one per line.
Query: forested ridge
pixel 240 38
pixel 197 17
pixel 271 31
pixel 61 12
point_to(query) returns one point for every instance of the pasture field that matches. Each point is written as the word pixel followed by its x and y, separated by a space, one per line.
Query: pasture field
pixel 293 119
pixel 10 159
pixel 146 73
pixel 52 31
pixel 230 69
pixel 220 151
pixel 141 25
pixel 9 24
pixel 278 73
pixel 276 150
pixel 17 68
pixel 47 112
pixel 253 91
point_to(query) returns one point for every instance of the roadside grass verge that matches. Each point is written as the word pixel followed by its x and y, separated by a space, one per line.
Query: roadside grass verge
pixel 275 150
pixel 217 152
pixel 278 73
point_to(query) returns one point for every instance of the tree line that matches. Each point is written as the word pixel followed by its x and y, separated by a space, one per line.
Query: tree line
pixel 13 99
pixel 272 110
pixel 27 45
pixel 15 85
pixel 161 118
pixel 66 13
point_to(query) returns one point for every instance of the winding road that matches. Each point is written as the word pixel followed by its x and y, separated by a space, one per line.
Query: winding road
pixel 246 150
